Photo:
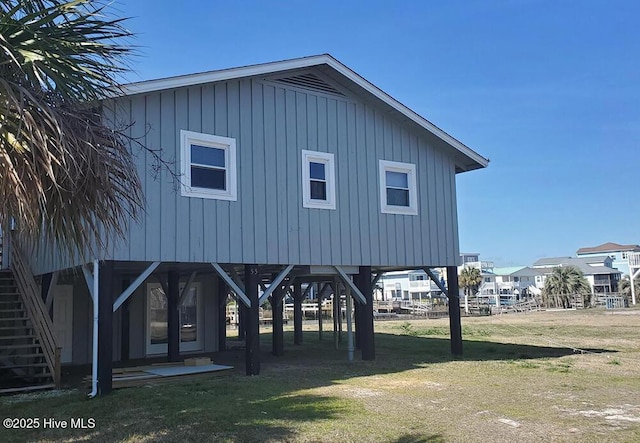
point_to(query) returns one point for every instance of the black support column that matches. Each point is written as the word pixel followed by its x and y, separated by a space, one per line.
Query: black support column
pixel 105 327
pixel 367 342
pixel 278 322
pixel 252 320
pixel 455 326
pixel 173 317
pixel 297 313
pixel 223 291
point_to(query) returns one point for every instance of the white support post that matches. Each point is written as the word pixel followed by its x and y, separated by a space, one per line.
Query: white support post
pixel 632 278
pixel 239 292
pixel 94 290
pixel 350 349
pixel 276 282
pixel 133 286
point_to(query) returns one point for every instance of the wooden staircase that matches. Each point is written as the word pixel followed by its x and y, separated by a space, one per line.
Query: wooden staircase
pixel 29 355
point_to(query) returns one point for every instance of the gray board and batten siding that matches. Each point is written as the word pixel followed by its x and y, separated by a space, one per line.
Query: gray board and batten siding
pixel 272 121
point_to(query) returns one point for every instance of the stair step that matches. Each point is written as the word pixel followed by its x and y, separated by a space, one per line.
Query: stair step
pixel 42 375
pixel 15 356
pixel 11 310
pixel 16 337
pixel 14 319
pixel 24 365
pixel 14 328
pixel 27 389
pixel 30 345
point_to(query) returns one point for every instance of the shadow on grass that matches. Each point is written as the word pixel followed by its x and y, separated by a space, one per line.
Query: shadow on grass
pixel 274 406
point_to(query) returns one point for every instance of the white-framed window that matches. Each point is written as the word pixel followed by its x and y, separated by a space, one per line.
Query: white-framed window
pixel 191 320
pixel 318 180
pixel 398 190
pixel 625 255
pixel 208 166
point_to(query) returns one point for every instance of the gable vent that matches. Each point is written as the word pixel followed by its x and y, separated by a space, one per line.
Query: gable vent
pixel 309 81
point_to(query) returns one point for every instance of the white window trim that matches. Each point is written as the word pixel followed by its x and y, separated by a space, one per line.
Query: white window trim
pixel 405 168
pixel 162 348
pixel 330 177
pixel 214 141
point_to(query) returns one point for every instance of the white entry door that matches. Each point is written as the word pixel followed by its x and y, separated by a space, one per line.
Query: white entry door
pixel 63 320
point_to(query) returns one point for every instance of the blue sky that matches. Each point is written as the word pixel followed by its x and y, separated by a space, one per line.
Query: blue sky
pixel 549 91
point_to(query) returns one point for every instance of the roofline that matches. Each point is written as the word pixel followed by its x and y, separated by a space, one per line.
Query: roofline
pixel 147 86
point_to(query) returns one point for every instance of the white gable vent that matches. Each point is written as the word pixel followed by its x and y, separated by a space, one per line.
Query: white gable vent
pixel 309 81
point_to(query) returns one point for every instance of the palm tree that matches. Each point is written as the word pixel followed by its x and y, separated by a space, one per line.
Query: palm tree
pixel 624 287
pixel 469 280
pixel 564 282
pixel 66 171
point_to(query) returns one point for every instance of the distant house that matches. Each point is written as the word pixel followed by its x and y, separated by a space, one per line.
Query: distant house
pixel 507 285
pixel 618 253
pixel 409 285
pixel 598 270
pixel 292 172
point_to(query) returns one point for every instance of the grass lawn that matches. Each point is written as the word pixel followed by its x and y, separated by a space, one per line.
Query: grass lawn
pixel 545 376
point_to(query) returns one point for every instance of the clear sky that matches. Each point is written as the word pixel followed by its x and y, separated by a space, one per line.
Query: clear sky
pixel 549 91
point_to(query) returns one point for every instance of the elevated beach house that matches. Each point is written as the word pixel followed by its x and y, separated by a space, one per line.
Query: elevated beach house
pixel 291 172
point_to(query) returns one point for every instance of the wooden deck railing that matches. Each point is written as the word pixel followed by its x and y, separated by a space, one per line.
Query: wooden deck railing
pixel 38 314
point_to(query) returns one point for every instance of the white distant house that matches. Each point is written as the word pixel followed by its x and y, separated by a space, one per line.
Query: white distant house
pixel 507 285
pixel 619 254
pixel 598 270
pixel 407 285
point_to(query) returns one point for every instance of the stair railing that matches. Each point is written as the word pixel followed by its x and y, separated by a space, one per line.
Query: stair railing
pixel 42 324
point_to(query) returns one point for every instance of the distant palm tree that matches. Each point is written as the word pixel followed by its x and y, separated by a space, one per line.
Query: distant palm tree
pixel 66 172
pixel 469 280
pixel 624 287
pixel 563 283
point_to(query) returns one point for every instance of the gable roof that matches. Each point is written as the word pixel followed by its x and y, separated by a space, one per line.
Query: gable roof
pixel 585 264
pixel 467 159
pixel 608 247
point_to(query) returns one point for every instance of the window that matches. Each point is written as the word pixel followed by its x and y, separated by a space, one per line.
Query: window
pixel 318 180
pixel 191 334
pixel 208 166
pixel 398 193
pixel 625 255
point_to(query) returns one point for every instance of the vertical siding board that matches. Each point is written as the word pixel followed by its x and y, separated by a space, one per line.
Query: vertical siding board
pixel 236 222
pixel 260 193
pixel 423 205
pixel 439 191
pixel 355 197
pixel 245 166
pixel 344 196
pixel 196 210
pixel 333 141
pixel 374 126
pixel 210 248
pixel 271 185
pixel 181 224
pixel 430 223
pixel 220 220
pixel 366 196
pixel 303 213
pixel 317 238
pixel 281 174
pixel 293 161
pixel 166 194
pixel 391 233
pixel 408 220
pixel 399 220
pixel 320 218
pixel 340 149
pixel 367 145
pixel 148 119
pixel 454 208
pixel 140 232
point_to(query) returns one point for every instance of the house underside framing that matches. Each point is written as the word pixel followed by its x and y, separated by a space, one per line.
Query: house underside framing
pixel 111 284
